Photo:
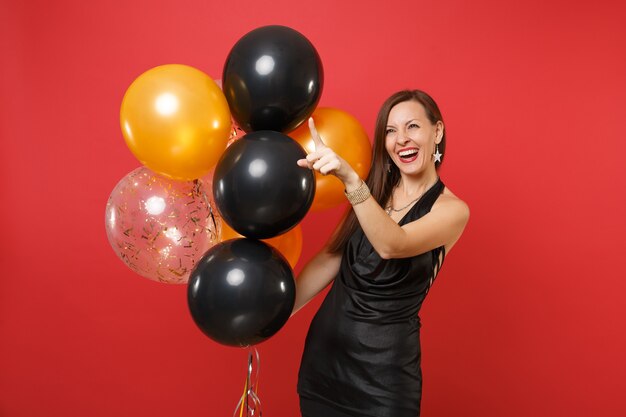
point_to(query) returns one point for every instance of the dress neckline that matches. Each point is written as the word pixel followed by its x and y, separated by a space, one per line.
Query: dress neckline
pixel 432 187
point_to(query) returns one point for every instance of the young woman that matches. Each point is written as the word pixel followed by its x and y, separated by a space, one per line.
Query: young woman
pixel 362 352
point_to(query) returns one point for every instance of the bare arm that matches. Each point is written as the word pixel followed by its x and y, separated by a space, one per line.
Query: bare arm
pixel 443 225
pixel 315 276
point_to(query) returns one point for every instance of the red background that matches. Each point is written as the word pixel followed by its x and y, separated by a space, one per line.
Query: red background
pixel 527 316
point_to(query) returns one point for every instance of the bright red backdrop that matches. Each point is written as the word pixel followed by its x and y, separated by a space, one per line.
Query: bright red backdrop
pixel 526 318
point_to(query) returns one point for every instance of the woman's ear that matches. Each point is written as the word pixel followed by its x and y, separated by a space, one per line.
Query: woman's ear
pixel 439 128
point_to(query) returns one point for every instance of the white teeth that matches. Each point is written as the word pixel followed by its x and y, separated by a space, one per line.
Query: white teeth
pixel 407 153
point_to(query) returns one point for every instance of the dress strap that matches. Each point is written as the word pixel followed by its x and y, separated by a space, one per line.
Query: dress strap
pixel 426 202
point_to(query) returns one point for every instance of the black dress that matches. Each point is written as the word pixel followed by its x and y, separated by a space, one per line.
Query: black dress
pixel 362 351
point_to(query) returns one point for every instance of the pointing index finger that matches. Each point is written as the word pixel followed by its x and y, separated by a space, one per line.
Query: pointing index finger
pixel 317 140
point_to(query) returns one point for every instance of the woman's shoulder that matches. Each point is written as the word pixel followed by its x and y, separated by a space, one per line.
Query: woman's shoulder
pixel 450 201
pixel 455 210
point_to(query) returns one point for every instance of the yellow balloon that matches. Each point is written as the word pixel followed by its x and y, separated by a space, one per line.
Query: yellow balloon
pixel 175 120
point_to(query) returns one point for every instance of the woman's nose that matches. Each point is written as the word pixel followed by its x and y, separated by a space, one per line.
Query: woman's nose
pixel 402 137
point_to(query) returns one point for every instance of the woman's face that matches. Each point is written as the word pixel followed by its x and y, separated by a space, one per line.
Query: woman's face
pixel 410 137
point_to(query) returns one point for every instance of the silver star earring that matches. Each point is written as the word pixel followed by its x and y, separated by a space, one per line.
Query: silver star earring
pixel 437 156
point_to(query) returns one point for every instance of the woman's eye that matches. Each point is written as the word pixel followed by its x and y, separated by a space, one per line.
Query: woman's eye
pixel 388 131
pixel 413 125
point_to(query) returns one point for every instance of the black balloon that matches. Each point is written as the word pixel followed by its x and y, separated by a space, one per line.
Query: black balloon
pixel 273 79
pixel 241 292
pixel 259 189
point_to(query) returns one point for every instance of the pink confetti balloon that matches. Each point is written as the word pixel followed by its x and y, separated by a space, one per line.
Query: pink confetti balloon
pixel 160 227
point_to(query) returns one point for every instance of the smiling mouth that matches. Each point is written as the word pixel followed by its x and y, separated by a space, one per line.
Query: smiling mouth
pixel 408 155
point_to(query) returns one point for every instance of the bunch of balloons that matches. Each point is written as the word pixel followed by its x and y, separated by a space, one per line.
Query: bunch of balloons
pixel 218 201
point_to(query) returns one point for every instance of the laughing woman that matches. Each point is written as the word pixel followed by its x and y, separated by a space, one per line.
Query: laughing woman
pixel 362 351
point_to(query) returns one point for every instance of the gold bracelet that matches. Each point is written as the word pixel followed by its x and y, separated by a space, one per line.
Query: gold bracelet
pixel 359 195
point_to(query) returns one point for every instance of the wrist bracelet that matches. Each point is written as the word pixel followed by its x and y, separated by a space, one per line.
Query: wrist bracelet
pixel 359 195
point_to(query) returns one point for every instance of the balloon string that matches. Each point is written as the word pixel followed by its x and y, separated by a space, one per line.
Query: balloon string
pixel 242 399
pixel 245 388
pixel 258 369
pixel 249 399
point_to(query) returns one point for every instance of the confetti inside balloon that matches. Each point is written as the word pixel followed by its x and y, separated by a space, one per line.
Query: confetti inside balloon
pixel 159 227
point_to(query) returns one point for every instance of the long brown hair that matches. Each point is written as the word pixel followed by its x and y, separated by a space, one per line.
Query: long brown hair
pixel 384 174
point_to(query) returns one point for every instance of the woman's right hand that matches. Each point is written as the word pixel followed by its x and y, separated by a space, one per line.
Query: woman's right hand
pixel 325 161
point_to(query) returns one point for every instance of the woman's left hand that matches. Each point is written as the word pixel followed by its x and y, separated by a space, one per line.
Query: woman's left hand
pixel 324 160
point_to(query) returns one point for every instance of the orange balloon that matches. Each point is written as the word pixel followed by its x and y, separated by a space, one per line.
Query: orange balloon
pixel 343 134
pixel 288 244
pixel 176 121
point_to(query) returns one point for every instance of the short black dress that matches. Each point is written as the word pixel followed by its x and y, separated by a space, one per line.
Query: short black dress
pixel 362 351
